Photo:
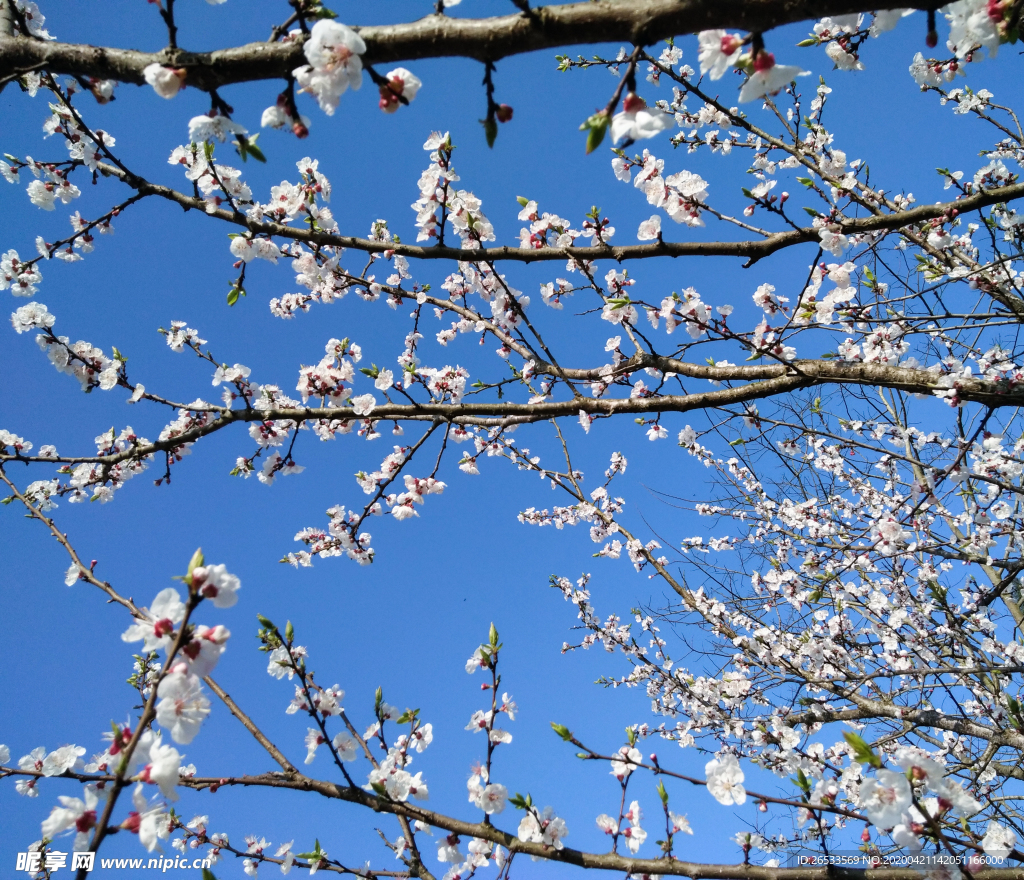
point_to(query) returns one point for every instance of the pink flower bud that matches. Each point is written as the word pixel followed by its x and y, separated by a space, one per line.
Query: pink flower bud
pixel 633 102
pixel 763 61
pixel 730 43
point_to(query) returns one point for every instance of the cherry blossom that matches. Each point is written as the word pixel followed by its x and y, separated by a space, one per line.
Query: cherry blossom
pixel 718 49
pixel 399 84
pixel 843 616
pixel 998 841
pixel 214 582
pixel 333 51
pixel 725 780
pixel 21 278
pixel 182 707
pixel 162 769
pixel 74 813
pixel 543 827
pixel 156 629
pixel 166 81
pixel 768 77
pixel 638 122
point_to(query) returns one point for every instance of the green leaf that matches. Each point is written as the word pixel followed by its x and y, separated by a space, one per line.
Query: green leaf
pixel 523 202
pixel 806 181
pixel 265 623
pixel 253 150
pixel 493 636
pixel 596 126
pixel 289 632
pixel 208 874
pixel 321 12
pixel 562 731
pixel 810 41
pixel 662 793
pixel 862 751
pixel 803 783
pixel 490 130
pixel 520 802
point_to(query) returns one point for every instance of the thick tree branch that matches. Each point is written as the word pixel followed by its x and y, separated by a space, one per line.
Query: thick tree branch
pixel 641 22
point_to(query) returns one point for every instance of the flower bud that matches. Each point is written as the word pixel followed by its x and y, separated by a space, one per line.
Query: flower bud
pixel 763 61
pixel 633 102
pixel 730 43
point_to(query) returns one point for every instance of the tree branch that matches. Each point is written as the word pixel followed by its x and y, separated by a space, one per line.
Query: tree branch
pixel 753 250
pixel 640 22
pixel 776 379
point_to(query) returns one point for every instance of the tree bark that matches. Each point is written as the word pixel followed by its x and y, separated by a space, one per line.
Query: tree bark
pixel 641 22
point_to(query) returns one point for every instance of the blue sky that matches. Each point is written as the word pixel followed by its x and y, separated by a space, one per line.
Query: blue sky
pixel 408 622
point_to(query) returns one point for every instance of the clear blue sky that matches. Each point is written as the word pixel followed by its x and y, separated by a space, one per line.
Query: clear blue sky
pixel 408 622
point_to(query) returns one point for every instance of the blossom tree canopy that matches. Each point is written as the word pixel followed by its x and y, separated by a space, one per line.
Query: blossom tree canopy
pixel 346 233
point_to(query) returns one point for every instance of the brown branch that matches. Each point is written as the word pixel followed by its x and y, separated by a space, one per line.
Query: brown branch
pixel 249 725
pixel 121 780
pixel 753 250
pixel 6 21
pixel 85 573
pixel 776 379
pixel 640 22
pixel 607 861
